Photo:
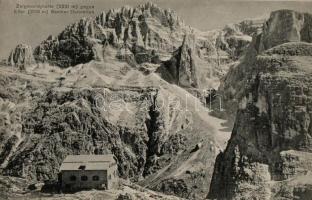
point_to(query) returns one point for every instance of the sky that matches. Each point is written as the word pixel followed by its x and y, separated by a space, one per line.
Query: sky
pixel 201 14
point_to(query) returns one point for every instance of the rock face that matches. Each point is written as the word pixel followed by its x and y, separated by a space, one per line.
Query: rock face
pixel 186 66
pixel 21 56
pixel 286 26
pixel 269 155
pixel 182 66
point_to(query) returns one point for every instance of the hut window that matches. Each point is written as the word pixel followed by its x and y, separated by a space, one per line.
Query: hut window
pixel 72 178
pixel 84 178
pixel 95 178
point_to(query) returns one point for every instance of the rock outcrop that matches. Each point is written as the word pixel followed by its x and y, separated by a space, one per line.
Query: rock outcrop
pixel 21 56
pixel 186 63
pixel 269 155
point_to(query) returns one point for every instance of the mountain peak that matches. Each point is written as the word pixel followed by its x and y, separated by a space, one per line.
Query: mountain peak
pixel 146 26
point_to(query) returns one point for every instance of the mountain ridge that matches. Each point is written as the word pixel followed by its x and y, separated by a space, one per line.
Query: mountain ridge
pixel 146 33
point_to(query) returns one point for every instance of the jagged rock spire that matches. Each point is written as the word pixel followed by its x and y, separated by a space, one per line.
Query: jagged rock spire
pixel 21 56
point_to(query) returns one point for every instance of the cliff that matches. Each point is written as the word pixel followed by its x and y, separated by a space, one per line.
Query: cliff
pixel 269 153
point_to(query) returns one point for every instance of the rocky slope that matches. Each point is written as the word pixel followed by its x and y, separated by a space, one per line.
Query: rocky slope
pixel 269 155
